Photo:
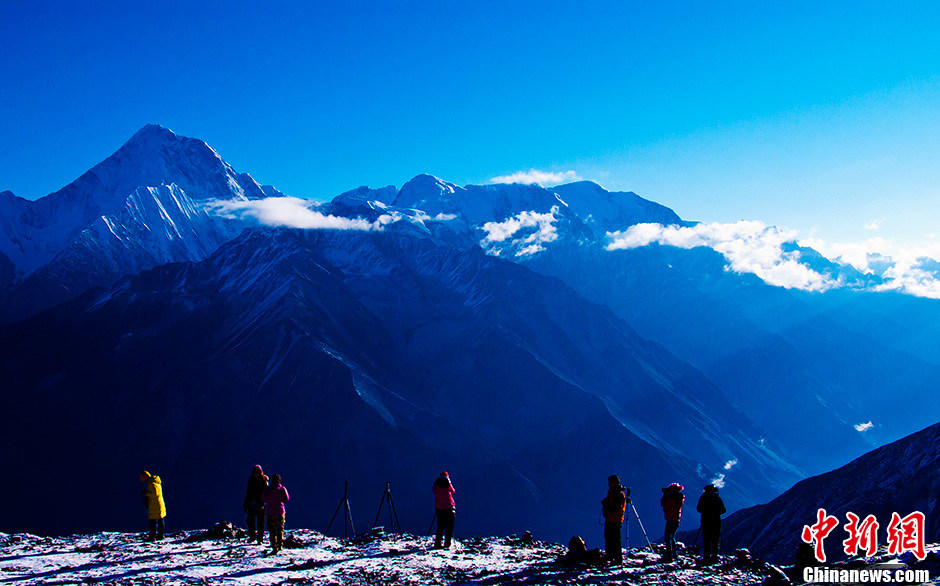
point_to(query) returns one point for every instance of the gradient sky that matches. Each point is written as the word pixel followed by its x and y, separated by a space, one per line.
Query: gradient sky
pixel 819 117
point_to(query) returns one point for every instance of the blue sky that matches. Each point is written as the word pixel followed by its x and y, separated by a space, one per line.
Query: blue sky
pixel 822 118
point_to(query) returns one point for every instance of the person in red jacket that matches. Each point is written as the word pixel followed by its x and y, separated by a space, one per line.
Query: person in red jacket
pixel 274 497
pixel 445 508
pixel 672 502
pixel 615 506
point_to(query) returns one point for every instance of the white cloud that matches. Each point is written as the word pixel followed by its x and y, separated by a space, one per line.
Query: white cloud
pixel 749 247
pixel 901 265
pixel 544 232
pixel 719 481
pixel 874 224
pixel 530 249
pixel 533 176
pixel 292 212
pixel 863 427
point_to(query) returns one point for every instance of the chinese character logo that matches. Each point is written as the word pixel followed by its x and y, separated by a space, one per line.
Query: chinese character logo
pixel 818 532
pixel 907 534
pixel 904 534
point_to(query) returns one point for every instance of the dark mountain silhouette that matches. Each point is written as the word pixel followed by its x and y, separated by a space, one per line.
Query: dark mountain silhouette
pixel 897 478
pixel 775 352
pixel 367 357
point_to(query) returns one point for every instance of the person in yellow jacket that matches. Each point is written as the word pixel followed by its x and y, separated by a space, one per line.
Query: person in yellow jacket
pixel 152 496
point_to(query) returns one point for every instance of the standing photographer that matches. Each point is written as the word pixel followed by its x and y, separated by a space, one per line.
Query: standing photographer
pixel 672 502
pixel 615 506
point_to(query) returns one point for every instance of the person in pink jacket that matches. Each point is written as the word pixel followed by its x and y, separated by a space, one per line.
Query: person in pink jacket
pixel 445 508
pixel 274 497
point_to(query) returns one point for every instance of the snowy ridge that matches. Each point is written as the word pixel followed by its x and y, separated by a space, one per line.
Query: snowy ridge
pixel 164 224
pixel 312 558
pixel 475 203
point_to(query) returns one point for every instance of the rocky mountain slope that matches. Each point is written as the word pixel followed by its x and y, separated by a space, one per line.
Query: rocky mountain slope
pixel 898 478
pixel 366 357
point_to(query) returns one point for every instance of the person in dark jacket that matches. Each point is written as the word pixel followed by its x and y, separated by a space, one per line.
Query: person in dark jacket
pixel 274 497
pixel 712 508
pixel 672 502
pixel 254 506
pixel 445 509
pixel 614 507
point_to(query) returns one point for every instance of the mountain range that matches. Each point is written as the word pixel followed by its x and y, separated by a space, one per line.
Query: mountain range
pixel 156 318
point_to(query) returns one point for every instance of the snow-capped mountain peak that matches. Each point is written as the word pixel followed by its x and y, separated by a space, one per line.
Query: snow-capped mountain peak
pixel 427 192
pixel 34 232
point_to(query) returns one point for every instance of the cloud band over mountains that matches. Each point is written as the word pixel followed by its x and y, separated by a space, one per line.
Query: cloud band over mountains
pixel 536 177
pixel 291 212
pixel 749 247
pixel 752 247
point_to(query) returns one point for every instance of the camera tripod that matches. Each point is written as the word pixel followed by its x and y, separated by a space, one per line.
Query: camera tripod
pixel 347 517
pixel 392 514
pixel 626 519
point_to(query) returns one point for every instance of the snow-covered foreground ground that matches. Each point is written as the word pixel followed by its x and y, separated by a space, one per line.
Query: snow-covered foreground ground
pixel 122 558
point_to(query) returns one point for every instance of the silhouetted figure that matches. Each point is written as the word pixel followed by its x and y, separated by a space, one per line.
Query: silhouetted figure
pixel 712 508
pixel 274 497
pixel 446 510
pixel 254 506
pixel 805 558
pixel 615 506
pixel 672 502
pixel 578 553
pixel 152 496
